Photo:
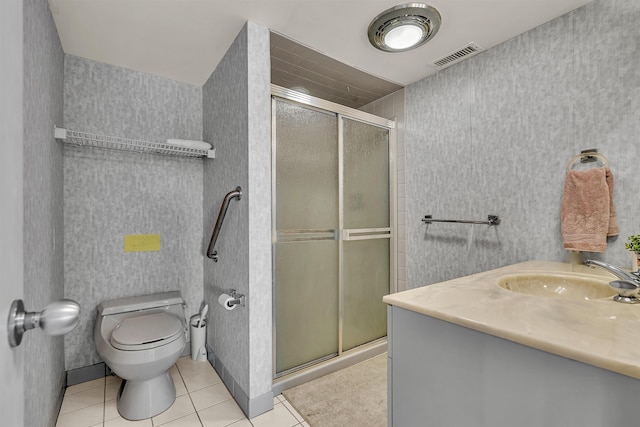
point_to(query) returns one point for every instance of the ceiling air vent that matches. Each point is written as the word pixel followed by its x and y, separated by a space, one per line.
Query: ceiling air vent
pixel 458 55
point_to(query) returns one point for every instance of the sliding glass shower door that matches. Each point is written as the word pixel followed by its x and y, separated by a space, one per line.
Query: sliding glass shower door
pixel 366 257
pixel 332 234
pixel 306 249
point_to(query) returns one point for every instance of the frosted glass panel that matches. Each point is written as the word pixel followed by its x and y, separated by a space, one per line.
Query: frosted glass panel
pixel 306 302
pixel 366 281
pixel 308 273
pixel 366 175
pixel 307 168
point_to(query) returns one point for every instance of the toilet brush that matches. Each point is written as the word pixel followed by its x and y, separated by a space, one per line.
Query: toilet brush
pixel 203 313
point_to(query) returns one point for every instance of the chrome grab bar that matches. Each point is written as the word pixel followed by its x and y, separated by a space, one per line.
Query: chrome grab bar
pixel 235 194
pixel 491 220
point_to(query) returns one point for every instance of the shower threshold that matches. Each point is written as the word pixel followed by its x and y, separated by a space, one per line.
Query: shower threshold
pixel 348 358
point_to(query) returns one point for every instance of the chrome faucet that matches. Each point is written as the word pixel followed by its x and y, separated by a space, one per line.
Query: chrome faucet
pixel 628 287
pixel 616 271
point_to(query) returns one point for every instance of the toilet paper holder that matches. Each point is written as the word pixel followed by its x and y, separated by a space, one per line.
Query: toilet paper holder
pixel 237 298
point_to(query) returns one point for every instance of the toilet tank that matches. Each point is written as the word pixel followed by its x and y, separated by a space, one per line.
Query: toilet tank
pixel 142 302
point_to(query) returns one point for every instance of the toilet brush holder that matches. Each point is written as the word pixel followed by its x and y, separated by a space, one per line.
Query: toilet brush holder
pixel 198 339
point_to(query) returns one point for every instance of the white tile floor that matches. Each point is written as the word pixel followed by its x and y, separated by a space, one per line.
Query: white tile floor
pixel 202 400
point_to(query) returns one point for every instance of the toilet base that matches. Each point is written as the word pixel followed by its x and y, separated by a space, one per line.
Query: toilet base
pixel 138 400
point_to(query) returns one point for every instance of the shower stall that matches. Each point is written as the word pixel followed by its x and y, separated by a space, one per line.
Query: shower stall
pixel 333 230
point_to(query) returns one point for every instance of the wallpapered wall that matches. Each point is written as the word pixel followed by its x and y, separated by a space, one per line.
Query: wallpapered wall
pixel 43 218
pixel 237 116
pixel 108 194
pixel 493 135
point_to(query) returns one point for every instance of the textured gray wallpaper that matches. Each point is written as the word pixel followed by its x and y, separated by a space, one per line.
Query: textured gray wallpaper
pixel 43 216
pixel 225 117
pixel 237 113
pixel 108 194
pixel 493 135
pixel 111 100
pixel 259 201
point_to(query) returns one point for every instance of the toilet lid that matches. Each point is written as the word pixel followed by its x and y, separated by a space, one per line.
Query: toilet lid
pixel 146 331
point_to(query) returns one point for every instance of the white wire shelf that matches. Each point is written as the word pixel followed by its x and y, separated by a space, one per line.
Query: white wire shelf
pixel 124 144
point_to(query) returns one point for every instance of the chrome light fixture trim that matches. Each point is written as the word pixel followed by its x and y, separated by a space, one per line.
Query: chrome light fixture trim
pixel 412 15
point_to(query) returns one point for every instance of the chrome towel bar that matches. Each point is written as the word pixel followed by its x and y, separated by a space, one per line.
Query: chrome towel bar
pixel 491 220
pixel 235 194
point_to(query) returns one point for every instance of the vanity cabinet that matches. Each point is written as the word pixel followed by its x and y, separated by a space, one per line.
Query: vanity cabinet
pixel 471 352
pixel 445 375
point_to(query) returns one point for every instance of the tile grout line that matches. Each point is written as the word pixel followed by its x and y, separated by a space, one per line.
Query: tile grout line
pixel 294 415
pixel 103 404
pixel 189 394
pixel 104 401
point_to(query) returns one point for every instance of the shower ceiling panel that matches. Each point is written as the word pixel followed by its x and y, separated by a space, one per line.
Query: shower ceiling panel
pixel 298 67
pixel 185 39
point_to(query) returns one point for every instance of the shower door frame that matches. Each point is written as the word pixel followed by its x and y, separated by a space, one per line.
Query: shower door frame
pixel 341 112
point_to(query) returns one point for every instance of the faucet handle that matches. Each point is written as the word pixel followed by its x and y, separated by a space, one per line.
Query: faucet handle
pixel 628 291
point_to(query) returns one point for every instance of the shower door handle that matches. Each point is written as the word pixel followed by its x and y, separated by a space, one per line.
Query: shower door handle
pixel 366 233
pixel 306 235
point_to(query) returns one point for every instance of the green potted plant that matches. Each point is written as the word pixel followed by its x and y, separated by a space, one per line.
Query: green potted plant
pixel 634 246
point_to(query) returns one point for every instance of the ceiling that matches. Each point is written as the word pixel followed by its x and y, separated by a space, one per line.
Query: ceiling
pixel 185 39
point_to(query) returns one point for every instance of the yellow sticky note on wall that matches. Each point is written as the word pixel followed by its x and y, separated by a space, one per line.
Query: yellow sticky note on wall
pixel 141 242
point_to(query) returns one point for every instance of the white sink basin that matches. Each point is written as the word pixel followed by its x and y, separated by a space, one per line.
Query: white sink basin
pixel 558 285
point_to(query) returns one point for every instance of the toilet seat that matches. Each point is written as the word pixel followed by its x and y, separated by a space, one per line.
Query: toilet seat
pixel 146 332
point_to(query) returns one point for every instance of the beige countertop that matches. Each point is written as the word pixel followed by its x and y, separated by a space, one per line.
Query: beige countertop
pixel 599 332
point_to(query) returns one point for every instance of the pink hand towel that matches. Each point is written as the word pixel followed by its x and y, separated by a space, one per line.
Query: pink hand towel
pixel 588 214
pixel 613 217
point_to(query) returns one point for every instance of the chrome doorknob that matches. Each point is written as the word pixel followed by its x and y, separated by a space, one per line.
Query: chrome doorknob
pixel 57 318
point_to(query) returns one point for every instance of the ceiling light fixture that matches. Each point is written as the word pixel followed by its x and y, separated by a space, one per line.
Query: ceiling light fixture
pixel 404 27
pixel 300 89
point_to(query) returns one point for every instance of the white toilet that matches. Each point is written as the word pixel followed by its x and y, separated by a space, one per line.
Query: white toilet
pixel 140 338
